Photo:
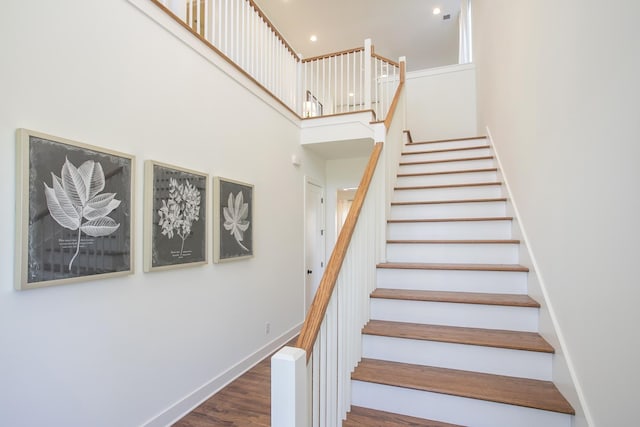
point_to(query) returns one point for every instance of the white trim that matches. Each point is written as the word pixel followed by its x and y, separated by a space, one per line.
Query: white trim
pixel 456 68
pixel 543 287
pixel 185 405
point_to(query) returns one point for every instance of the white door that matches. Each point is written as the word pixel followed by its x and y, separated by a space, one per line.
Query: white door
pixel 314 239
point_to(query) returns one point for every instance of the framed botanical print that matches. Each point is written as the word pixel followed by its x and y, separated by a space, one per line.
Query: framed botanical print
pixel 74 211
pixel 233 204
pixel 175 217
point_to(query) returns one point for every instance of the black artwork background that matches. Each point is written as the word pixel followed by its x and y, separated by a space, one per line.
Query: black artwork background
pixel 229 247
pixel 49 255
pixel 163 248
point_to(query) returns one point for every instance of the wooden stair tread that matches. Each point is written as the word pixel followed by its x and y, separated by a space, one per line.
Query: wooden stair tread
pixel 439 202
pixel 435 141
pixel 498 338
pixel 525 392
pixel 459 241
pixel 462 159
pixel 513 300
pixel 359 416
pixel 445 150
pixel 444 266
pixel 496 218
pixel 448 172
pixel 431 187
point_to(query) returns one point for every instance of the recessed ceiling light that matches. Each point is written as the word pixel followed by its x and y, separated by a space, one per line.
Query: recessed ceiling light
pixel 313 38
pixel 436 11
pixel 352 94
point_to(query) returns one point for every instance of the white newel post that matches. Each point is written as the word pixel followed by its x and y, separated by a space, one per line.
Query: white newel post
pixel 367 74
pixel 289 388
pixel 403 66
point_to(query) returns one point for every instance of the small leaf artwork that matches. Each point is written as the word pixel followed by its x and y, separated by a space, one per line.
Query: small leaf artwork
pixel 178 213
pixel 235 217
pixel 75 196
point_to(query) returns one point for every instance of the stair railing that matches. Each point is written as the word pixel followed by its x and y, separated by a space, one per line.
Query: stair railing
pixel 354 80
pixel 311 382
pixel 242 34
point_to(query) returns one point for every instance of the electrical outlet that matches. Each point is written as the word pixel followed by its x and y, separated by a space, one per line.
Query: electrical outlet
pixel 267 328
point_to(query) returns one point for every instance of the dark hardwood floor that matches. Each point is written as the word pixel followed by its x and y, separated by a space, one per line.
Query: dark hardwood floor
pixel 246 402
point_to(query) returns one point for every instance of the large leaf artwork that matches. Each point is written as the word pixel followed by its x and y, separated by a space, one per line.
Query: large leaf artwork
pixel 180 211
pixel 74 196
pixel 235 217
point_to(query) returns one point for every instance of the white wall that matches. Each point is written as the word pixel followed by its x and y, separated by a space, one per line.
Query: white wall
pixel 558 88
pixel 441 102
pixel 120 352
pixel 341 174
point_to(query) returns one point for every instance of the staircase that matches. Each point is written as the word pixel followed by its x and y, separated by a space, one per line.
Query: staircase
pixel 453 337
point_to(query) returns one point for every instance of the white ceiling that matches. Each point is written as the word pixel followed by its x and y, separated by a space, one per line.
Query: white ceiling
pixel 395 27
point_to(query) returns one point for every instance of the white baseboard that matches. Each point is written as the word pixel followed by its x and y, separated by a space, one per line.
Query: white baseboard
pixel 185 405
pixel 576 395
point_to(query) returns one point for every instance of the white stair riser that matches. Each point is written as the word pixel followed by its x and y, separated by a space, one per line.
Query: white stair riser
pixel 446 166
pixel 444 145
pixel 449 178
pixel 507 282
pixel 454 193
pixel 418 156
pixel 478 253
pixel 490 360
pixel 452 409
pixel 449 210
pixel 500 229
pixel 450 314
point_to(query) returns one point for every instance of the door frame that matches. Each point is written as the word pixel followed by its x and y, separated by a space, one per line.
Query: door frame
pixel 322 256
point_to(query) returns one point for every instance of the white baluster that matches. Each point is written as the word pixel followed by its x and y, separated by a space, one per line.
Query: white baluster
pixel 178 7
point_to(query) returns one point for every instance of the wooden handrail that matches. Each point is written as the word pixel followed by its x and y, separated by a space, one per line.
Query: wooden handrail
pixel 176 18
pixel 318 309
pixel 383 59
pixel 373 113
pixel 408 133
pixel 331 55
pixel 396 97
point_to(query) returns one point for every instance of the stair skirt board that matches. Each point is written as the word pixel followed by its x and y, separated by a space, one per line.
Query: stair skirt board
pixel 452 314
pixel 487 190
pixel 502 282
pixel 496 229
pixel 467 357
pixel 452 409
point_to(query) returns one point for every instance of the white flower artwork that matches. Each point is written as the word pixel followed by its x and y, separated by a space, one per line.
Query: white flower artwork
pixel 74 219
pixel 235 217
pixel 175 227
pixel 179 211
pixel 75 196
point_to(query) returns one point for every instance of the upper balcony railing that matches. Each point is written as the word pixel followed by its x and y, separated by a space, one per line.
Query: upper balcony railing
pixel 353 80
pixel 336 83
